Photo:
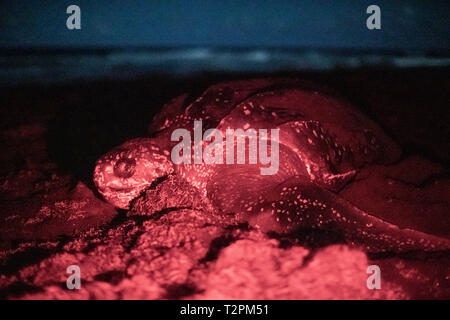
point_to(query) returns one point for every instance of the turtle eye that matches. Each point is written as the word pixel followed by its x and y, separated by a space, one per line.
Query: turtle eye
pixel 124 168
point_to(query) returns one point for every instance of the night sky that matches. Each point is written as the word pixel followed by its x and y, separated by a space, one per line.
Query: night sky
pixel 406 25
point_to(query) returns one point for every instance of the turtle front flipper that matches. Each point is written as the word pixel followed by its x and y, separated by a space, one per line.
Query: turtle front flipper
pixel 297 203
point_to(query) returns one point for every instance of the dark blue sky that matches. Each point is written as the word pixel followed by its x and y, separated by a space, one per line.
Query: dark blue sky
pixel 293 24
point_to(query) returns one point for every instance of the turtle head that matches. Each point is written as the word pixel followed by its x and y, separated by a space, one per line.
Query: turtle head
pixel 126 171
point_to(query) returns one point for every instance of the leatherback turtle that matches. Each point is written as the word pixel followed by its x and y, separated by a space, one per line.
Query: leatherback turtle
pixel 323 141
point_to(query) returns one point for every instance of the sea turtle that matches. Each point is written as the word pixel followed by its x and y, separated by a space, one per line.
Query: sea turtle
pixel 323 141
